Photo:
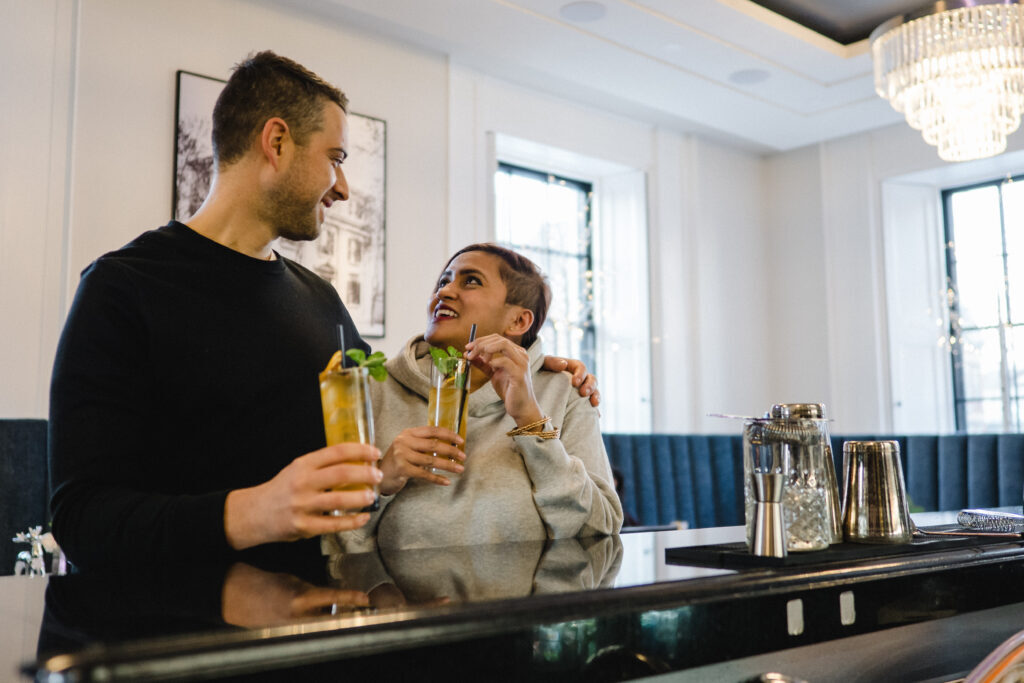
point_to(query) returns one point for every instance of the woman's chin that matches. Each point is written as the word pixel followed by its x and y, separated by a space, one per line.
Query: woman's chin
pixel 433 336
pixel 437 337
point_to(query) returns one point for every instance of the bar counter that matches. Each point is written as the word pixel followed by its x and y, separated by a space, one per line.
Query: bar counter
pixel 592 609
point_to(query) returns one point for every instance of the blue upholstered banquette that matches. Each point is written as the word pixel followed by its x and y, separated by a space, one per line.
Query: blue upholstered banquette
pixel 697 478
pixel 24 484
pixel 693 478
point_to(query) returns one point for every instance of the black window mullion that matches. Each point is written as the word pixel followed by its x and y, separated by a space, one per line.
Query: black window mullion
pixel 1012 393
pixel 953 302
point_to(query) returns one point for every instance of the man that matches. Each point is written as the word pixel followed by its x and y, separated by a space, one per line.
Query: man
pixel 184 413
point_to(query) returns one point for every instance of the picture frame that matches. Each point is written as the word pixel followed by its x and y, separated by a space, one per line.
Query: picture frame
pixel 351 248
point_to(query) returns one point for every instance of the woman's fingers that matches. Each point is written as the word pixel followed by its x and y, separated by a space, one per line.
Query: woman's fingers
pixel 418 450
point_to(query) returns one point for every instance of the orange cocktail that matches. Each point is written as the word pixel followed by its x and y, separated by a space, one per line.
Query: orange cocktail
pixel 348 411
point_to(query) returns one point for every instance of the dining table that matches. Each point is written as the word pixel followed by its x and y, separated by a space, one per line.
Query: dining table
pixel 661 603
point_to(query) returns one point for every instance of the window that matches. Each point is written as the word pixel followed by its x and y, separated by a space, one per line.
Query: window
pixel 547 219
pixel 355 251
pixel 583 220
pixel 353 293
pixel 985 294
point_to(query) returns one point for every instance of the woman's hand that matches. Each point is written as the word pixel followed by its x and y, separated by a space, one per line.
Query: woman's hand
pixel 411 456
pixel 508 366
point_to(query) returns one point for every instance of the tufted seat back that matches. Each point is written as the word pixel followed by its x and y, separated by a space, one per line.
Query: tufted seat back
pixel 698 478
pixel 24 484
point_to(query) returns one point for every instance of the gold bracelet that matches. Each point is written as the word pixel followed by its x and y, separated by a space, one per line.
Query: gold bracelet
pixel 553 434
pixel 527 428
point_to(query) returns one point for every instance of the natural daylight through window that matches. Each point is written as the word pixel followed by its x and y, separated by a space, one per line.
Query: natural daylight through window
pixel 547 219
pixel 985 294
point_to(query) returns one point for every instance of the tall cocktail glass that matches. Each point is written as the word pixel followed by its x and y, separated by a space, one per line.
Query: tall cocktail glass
pixel 348 412
pixel 449 396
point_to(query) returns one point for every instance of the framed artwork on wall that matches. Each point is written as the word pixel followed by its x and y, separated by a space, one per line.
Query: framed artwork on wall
pixel 350 251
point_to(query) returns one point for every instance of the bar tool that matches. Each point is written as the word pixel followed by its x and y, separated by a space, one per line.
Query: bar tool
pixel 875 495
pixel 805 427
pixel 769 526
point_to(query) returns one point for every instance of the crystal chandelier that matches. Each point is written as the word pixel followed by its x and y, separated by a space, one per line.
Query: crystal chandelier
pixel 956 71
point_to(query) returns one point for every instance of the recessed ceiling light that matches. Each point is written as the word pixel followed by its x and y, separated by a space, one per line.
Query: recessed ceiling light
pixel 585 10
pixel 749 76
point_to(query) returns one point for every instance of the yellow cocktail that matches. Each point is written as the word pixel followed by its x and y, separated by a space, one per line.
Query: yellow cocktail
pixel 447 402
pixel 348 412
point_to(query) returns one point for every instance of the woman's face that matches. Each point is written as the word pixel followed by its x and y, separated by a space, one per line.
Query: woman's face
pixel 469 291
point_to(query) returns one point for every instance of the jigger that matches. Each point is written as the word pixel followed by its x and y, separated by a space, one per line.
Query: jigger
pixel 769 530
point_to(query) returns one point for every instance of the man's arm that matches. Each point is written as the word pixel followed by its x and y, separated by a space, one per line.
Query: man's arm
pixel 130 481
pixel 584 382
pixel 298 502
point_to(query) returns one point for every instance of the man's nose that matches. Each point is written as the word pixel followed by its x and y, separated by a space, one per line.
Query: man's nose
pixel 341 186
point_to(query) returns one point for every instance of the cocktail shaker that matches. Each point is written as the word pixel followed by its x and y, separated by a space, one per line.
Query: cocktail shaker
pixel 811 450
pixel 875 496
pixel 791 440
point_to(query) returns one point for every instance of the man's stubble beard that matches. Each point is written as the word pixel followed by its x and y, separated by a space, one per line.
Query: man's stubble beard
pixel 291 214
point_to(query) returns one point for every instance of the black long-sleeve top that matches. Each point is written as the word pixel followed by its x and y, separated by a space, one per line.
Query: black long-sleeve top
pixel 185 370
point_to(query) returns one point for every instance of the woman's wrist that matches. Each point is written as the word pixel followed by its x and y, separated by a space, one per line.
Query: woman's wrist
pixel 529 417
pixel 536 428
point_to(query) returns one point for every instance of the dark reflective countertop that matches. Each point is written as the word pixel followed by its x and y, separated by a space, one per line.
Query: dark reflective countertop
pixel 590 609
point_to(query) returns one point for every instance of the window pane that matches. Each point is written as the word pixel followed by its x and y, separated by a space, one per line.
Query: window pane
pixel 1015 359
pixel 1013 215
pixel 979 355
pixel 979 288
pixel 976 223
pixel 1013 218
pixel 546 219
pixel 984 416
pixel 987 275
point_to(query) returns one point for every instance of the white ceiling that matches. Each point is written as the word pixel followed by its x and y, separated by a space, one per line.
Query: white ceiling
pixel 727 69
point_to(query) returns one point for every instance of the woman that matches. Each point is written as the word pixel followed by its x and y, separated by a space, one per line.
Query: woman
pixel 535 465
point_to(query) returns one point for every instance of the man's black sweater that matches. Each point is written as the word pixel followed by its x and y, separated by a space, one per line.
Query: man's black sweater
pixel 185 370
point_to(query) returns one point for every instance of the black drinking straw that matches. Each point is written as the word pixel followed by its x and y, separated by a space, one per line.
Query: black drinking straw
pixel 465 386
pixel 341 342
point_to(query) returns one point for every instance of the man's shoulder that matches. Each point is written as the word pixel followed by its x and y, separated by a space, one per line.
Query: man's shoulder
pixel 153 244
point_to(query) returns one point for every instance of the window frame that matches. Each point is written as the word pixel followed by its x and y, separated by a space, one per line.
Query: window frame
pixel 588 344
pixel 1009 396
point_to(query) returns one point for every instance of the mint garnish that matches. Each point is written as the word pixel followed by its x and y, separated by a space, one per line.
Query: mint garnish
pixel 446 362
pixel 374 362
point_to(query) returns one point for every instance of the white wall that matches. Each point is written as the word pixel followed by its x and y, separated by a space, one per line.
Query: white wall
pixel 707 244
pixel 797 296
pixel 730 323
pixel 36 49
pixel 768 274
pixel 93 94
pixel 877 379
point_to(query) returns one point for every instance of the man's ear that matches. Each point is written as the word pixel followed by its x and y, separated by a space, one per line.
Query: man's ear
pixel 520 324
pixel 275 141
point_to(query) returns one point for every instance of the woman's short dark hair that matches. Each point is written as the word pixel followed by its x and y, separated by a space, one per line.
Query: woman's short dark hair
pixel 263 86
pixel 525 284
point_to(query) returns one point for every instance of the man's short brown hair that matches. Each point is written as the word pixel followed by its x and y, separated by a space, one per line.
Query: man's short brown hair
pixel 266 85
pixel 525 284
